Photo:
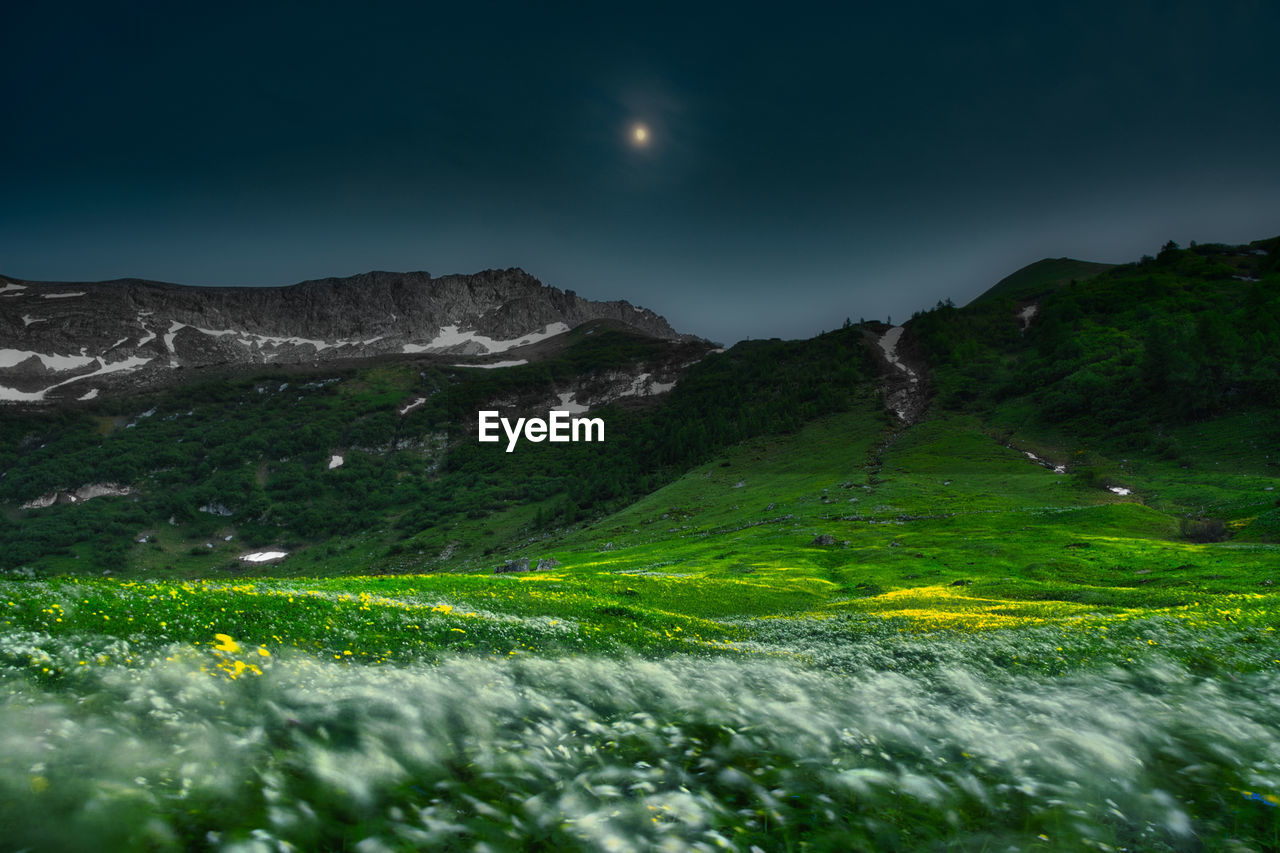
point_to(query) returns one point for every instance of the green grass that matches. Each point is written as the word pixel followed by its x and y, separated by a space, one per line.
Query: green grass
pixel 986 654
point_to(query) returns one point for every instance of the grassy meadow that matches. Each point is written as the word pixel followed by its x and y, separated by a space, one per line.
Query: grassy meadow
pixel 1044 618
pixel 987 656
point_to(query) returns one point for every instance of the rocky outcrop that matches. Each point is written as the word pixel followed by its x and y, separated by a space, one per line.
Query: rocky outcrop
pixel 59 341
pixel 84 493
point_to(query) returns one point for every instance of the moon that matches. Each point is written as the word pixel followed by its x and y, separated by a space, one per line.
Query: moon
pixel 640 134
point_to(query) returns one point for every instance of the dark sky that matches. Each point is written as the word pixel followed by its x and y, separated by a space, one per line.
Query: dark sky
pixel 806 162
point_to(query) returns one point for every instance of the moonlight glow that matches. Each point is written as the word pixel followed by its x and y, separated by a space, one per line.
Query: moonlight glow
pixel 640 134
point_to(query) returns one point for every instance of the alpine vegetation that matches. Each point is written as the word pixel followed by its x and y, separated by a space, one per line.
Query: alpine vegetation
pixel 238 748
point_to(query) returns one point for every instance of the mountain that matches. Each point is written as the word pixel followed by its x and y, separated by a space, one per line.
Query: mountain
pixel 1137 361
pixel 1000 577
pixel 63 341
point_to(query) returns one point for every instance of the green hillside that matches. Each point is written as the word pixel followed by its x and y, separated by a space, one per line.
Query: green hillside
pixel 770 615
pixel 249 458
pixel 1036 280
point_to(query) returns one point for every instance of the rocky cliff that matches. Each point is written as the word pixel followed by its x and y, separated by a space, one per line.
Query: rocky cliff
pixel 63 341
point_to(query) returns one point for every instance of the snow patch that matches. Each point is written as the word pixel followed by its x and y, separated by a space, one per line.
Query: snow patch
pixel 1119 490
pixel 1057 469
pixel 12 289
pixel 515 363
pixel 251 340
pixel 89 395
pixel 148 335
pixel 14 357
pixel 335 461
pixel 450 337
pixel 568 405
pixel 174 328
pixel 13 395
pixel 62 295
pixel 133 362
pixel 27 319
pixel 889 344
pixel 409 407
pixel 1026 314
pixel 263 556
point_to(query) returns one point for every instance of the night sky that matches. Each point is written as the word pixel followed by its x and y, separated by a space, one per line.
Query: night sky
pixel 803 163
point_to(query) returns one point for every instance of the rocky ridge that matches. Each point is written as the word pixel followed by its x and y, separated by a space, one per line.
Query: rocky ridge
pixel 66 341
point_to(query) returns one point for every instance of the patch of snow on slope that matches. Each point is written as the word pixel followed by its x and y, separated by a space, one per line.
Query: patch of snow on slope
pixel 11 289
pixel 27 319
pixel 62 295
pixel 335 461
pixel 174 328
pixel 889 343
pixel 644 386
pixel 133 362
pixel 568 405
pixel 93 392
pixel 13 395
pixel 14 357
pixel 248 339
pixel 1026 314
pixel 450 337
pixel 899 401
pixel 1057 469
pixel 1120 490
pixel 638 386
pixel 516 363
pixel 264 556
pixel 409 407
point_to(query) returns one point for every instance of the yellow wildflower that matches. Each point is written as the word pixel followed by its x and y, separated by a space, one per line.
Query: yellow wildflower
pixel 225 643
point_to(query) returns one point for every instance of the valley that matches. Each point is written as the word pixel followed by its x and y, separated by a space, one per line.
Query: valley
pixel 994 578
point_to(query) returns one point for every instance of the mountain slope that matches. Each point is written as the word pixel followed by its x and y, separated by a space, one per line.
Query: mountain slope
pixel 74 341
pixel 375 466
pixel 766 613
pixel 295 462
